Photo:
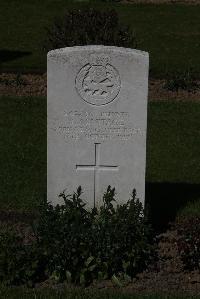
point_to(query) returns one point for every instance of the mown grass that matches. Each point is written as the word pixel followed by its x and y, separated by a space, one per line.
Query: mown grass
pixel 23 151
pixel 170 33
pixel 191 209
pixel 173 143
pixel 71 293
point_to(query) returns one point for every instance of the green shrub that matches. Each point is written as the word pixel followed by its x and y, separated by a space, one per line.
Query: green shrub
pixel 87 245
pixel 89 27
pixel 189 242
pixel 20 262
pixel 182 81
pixel 79 245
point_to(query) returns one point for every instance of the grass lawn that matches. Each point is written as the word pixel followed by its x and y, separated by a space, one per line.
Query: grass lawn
pixel 170 33
pixel 23 151
pixel 20 293
pixel 172 149
pixel 191 209
pixel 173 142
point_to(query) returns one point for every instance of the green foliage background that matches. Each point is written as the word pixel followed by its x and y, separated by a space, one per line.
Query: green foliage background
pixel 170 33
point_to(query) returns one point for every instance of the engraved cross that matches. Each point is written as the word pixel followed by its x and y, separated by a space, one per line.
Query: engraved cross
pixel 96 168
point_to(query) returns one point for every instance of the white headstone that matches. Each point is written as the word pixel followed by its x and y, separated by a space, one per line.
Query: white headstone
pixel 97 117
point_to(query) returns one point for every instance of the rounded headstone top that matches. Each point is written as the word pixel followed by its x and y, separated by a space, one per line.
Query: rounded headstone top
pixel 68 50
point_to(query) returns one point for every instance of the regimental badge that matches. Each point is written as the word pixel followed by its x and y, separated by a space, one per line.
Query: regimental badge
pixel 98 82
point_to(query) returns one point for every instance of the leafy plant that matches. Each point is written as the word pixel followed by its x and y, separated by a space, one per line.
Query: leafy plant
pixel 19 81
pixel 98 243
pixel 20 262
pixel 89 27
pixel 189 242
pixel 182 81
pixel 64 234
pixel 78 245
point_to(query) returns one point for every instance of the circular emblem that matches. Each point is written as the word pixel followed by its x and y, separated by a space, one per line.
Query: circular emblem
pixel 98 84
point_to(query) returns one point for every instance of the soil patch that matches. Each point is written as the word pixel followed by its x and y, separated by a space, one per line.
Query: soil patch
pixel 157 92
pixel 36 85
pixel 166 276
pixel 12 84
pixel 187 2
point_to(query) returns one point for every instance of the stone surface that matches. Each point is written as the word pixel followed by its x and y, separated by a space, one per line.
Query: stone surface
pixel 97 116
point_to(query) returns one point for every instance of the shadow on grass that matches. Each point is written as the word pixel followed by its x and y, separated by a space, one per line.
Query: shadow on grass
pixel 8 55
pixel 164 200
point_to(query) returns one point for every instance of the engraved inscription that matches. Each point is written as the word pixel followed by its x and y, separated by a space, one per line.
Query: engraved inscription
pixel 98 82
pixel 96 126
